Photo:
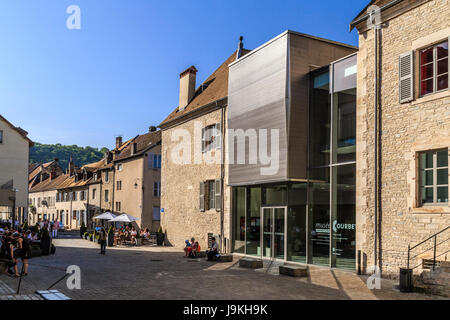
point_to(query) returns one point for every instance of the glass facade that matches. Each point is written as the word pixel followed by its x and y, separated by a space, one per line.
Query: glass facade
pixel 313 221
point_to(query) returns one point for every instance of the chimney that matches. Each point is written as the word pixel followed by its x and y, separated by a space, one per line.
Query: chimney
pixel 133 148
pixel 240 47
pixel 70 167
pixel 187 87
pixel 152 129
pixel 118 142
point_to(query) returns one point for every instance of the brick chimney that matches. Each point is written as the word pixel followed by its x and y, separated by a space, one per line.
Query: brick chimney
pixel 187 87
pixel 118 142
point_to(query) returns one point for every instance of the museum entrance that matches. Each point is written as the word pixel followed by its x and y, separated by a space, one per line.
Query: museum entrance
pixel 273 233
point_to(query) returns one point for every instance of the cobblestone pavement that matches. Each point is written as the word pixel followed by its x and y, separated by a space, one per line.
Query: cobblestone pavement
pixel 163 273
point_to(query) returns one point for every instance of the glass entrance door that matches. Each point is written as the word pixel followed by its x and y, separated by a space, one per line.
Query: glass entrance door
pixel 273 233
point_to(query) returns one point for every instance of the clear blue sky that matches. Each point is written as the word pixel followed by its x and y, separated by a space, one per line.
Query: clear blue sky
pixel 118 74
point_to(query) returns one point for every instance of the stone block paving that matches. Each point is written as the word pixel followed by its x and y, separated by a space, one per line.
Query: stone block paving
pixel 163 273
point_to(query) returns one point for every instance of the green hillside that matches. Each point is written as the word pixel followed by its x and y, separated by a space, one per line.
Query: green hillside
pixel 41 153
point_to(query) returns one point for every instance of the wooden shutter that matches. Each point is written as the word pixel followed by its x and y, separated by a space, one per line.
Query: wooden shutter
pixel 218 194
pixel 218 136
pixel 203 140
pixel 150 160
pixel 202 196
pixel 406 77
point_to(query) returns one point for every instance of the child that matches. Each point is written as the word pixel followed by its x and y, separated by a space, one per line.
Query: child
pixel 188 248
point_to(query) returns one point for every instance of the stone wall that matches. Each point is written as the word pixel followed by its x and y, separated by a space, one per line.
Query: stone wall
pixel 180 189
pixel 406 129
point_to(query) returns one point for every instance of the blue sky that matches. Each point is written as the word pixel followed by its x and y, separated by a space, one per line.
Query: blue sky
pixel 118 74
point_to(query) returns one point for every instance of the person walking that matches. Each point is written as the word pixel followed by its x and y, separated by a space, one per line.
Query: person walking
pixel 102 241
pixel 55 229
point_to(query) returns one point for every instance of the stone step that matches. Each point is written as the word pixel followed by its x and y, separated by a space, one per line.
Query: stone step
pixel 250 263
pixel 294 271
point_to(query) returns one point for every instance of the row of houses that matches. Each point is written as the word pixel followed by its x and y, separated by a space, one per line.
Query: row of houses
pixel 126 180
pixel 303 150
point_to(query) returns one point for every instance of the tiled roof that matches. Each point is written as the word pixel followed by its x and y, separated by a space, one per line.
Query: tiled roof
pixel 48 184
pixel 22 132
pixel 37 170
pixel 216 88
pixel 91 167
pixel 143 143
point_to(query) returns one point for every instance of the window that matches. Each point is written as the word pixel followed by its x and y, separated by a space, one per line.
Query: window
pixel 93 193
pixel 106 195
pixel 95 177
pixel 211 195
pixel 211 137
pixel 119 185
pixel 156 214
pixel 434 177
pixel 107 176
pixel 118 206
pixel 1 136
pixel 434 69
pixel 119 167
pixel 156 189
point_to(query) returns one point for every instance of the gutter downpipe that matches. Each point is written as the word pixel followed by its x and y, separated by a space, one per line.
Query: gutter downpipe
pixel 222 178
pixel 376 29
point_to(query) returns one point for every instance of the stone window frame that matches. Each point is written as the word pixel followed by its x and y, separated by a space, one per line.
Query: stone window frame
pixel 435 64
pixel 413 180
pixel 1 136
pixel 435 184
pixel 418 45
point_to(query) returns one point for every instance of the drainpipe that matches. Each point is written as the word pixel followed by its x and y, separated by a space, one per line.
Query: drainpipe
pixel 376 29
pixel 222 180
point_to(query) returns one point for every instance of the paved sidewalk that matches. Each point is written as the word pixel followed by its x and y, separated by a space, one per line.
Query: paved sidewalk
pixel 164 273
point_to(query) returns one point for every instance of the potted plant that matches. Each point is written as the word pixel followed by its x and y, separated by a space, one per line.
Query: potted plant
pixel 97 238
pixel 46 242
pixel 82 229
pixel 160 237
pixel 86 235
pixel 35 251
pixel 138 239
pixel 110 236
pixel 91 237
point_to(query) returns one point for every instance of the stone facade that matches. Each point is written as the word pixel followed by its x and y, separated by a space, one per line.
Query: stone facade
pixel 406 129
pixel 135 194
pixel 180 194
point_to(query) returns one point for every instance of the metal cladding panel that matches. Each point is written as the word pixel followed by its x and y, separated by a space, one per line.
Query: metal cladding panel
pixel 345 74
pixel 257 99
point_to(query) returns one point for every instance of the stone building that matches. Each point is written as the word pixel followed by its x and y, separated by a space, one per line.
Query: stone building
pixel 195 198
pixel 136 178
pixel 14 159
pixel 403 148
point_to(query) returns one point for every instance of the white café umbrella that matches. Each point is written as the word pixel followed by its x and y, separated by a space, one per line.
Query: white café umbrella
pixel 105 216
pixel 124 218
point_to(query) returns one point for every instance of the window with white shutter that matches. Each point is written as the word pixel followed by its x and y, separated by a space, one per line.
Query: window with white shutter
pixel 218 136
pixel 218 194
pixel 202 196
pixel 406 77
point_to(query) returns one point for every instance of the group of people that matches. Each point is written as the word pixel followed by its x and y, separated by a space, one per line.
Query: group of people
pixel 52 226
pixel 192 249
pixel 130 234
pixel 15 245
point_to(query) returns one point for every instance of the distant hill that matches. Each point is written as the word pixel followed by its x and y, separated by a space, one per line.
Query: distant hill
pixel 41 153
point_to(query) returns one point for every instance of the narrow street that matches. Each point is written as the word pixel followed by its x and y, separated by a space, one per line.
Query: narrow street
pixel 163 273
